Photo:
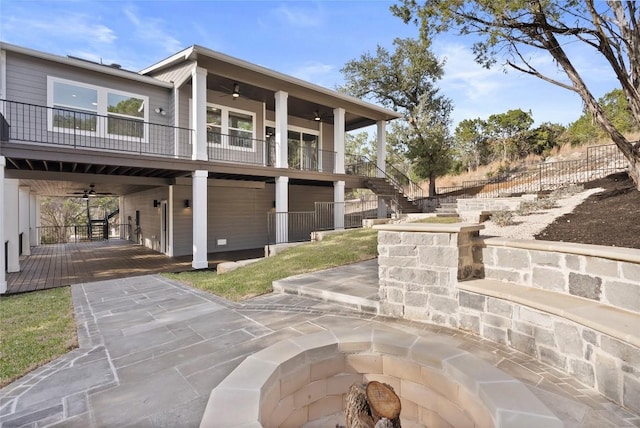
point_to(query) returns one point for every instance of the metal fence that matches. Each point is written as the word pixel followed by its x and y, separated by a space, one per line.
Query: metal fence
pixel 600 162
pixel 80 233
pixel 284 227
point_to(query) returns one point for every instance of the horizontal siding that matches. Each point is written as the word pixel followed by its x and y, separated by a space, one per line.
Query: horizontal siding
pixel 27 83
pixel 303 198
pixel 237 214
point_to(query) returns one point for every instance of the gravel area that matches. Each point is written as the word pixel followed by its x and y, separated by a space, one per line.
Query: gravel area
pixel 526 227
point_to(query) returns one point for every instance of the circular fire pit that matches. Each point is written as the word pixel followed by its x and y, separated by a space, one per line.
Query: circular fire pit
pixel 306 378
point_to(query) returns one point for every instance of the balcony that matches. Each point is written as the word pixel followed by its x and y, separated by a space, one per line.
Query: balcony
pixel 81 130
pixel 34 124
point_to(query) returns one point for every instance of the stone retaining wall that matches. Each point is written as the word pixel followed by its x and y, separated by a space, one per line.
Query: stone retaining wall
pixel 493 204
pixel 420 267
pixel 605 274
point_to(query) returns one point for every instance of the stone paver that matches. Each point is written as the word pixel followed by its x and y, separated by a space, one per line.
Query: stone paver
pixel 151 350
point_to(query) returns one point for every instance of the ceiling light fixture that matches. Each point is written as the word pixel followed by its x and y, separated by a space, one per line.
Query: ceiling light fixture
pixel 85 197
pixel 236 90
pixel 92 192
pixel 317 116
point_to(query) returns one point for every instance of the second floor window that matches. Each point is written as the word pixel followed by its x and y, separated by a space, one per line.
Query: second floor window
pixel 230 128
pixel 94 110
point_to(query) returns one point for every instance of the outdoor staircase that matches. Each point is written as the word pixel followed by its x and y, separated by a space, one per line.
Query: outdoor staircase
pixel 384 188
pixel 447 209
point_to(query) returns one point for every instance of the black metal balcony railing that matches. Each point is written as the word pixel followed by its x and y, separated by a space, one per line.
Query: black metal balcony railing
pixel 80 129
pixel 363 166
pixel 47 125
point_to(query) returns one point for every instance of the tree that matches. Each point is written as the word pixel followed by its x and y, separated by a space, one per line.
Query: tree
pixel 404 81
pixel 508 131
pixel 510 27
pixel 545 137
pixel 60 212
pixel 471 143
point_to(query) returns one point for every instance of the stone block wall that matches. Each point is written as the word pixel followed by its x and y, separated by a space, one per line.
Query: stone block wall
pixel 605 274
pixel 419 265
pixel 493 204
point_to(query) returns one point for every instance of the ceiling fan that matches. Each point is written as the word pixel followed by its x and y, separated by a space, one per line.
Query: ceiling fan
pixel 91 192
pixel 320 117
pixel 235 92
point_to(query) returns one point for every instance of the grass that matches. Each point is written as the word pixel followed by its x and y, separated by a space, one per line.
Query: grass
pixel 255 279
pixel 35 328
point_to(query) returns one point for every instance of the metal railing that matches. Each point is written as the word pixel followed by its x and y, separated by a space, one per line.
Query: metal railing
pixel 80 233
pixel 307 158
pixel 600 162
pixel 363 166
pixel 48 125
pixel 285 227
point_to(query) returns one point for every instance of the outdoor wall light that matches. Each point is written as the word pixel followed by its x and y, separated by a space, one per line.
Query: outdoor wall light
pixel 187 204
pixel 156 203
pixel 160 111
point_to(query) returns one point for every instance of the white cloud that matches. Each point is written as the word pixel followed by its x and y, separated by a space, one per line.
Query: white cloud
pixel 316 72
pixel 73 25
pixel 153 30
pixel 298 16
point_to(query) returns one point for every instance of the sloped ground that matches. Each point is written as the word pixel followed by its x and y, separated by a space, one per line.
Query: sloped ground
pixel 610 217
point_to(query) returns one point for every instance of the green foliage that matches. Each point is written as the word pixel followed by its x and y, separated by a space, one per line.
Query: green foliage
pixel 616 107
pixel 35 328
pixel 562 30
pixel 405 80
pixel 544 138
pixel 255 279
pixel 471 143
pixel 507 133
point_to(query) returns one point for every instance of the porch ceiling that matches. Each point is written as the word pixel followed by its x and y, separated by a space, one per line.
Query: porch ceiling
pixel 303 108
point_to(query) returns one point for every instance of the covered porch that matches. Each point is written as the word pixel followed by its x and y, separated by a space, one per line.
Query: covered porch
pixel 59 265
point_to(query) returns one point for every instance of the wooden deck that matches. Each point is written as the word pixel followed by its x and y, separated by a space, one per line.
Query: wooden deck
pixel 58 265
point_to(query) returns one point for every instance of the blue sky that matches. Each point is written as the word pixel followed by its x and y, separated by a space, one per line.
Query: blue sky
pixel 311 40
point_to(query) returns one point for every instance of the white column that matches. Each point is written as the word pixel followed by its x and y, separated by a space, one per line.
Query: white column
pixel 282 146
pixel 177 133
pixel 34 219
pixel 199 111
pixel 381 162
pixel 282 209
pixel 381 149
pixel 172 204
pixel 24 217
pixel 200 233
pixel 338 205
pixel 338 139
pixel 3 279
pixel 11 224
pixel 3 78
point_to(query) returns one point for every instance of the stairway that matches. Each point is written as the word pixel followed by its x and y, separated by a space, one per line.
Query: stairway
pixel 390 193
pixel 447 209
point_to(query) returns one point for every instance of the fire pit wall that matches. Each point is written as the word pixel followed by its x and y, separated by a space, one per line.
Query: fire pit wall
pixel 306 378
pixel 573 306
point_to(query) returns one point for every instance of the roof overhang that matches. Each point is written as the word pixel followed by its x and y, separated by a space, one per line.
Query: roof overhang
pixel 237 69
pixel 86 65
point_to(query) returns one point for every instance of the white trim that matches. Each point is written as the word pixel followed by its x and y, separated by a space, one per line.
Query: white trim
pixel 224 128
pixel 102 95
pixel 272 124
pixel 3 76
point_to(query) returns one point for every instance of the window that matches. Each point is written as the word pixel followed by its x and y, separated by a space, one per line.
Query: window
pixel 125 115
pixel 75 107
pixel 214 125
pixel 230 128
pixel 96 110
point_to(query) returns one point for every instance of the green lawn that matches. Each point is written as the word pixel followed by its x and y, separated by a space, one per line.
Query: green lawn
pixel 255 279
pixel 440 220
pixel 35 328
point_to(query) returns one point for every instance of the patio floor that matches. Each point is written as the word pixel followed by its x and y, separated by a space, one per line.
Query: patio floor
pixel 58 265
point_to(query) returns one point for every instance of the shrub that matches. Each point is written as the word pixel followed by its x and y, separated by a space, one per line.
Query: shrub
pixel 527 207
pixel 502 218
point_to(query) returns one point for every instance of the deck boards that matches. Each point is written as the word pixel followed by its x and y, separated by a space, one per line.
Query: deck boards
pixel 59 265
